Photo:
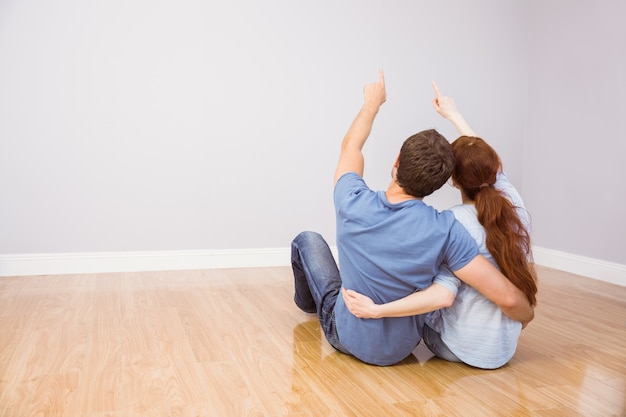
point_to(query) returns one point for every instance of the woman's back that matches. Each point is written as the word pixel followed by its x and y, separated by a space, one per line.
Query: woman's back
pixel 474 328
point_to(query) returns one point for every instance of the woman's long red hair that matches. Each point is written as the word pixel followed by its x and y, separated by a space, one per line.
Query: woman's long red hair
pixel 508 241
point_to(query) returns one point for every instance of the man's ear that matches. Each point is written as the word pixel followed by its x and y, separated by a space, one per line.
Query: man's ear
pixel 394 169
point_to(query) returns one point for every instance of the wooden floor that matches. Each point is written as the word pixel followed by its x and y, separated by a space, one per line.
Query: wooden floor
pixel 232 343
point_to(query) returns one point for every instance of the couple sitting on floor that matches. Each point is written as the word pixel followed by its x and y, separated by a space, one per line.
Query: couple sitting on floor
pixel 461 279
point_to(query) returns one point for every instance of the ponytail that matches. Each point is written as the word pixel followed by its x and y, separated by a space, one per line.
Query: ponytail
pixel 508 241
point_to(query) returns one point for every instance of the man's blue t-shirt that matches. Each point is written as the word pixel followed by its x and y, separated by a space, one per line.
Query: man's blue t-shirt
pixel 387 251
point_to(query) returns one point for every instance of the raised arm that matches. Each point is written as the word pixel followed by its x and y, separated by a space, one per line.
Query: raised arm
pixel 430 299
pixel 351 156
pixel 445 107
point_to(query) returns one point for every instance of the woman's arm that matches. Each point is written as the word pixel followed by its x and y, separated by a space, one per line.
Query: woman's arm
pixel 445 107
pixel 430 299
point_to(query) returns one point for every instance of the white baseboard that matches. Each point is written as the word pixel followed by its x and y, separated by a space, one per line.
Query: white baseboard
pixel 580 265
pixel 99 262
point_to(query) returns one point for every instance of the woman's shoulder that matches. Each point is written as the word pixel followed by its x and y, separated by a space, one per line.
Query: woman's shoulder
pixel 464 213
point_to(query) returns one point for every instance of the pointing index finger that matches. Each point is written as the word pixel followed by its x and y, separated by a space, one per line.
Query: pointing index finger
pixel 437 92
pixel 381 77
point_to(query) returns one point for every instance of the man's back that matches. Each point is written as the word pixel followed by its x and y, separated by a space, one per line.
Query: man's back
pixel 387 251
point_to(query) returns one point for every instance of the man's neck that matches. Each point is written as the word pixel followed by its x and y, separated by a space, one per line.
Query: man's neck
pixel 396 194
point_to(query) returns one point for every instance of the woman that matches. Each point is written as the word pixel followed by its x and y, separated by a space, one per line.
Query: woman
pixel 472 329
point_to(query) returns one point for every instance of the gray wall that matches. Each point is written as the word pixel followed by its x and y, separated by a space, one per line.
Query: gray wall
pixel 574 183
pixel 141 125
pixel 175 125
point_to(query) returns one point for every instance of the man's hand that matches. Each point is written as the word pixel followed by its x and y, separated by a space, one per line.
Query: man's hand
pixel 375 93
pixel 351 156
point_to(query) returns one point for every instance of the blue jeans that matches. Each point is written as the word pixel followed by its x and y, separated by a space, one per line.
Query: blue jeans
pixel 317 282
pixel 436 345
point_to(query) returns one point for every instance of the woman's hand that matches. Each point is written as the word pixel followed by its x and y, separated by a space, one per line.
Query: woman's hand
pixel 446 108
pixel 444 105
pixel 360 305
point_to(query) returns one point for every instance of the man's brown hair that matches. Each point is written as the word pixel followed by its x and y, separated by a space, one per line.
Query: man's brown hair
pixel 426 162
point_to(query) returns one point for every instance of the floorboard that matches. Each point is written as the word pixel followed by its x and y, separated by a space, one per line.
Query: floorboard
pixel 232 343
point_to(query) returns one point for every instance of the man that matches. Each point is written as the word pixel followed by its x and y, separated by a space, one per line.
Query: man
pixel 390 244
